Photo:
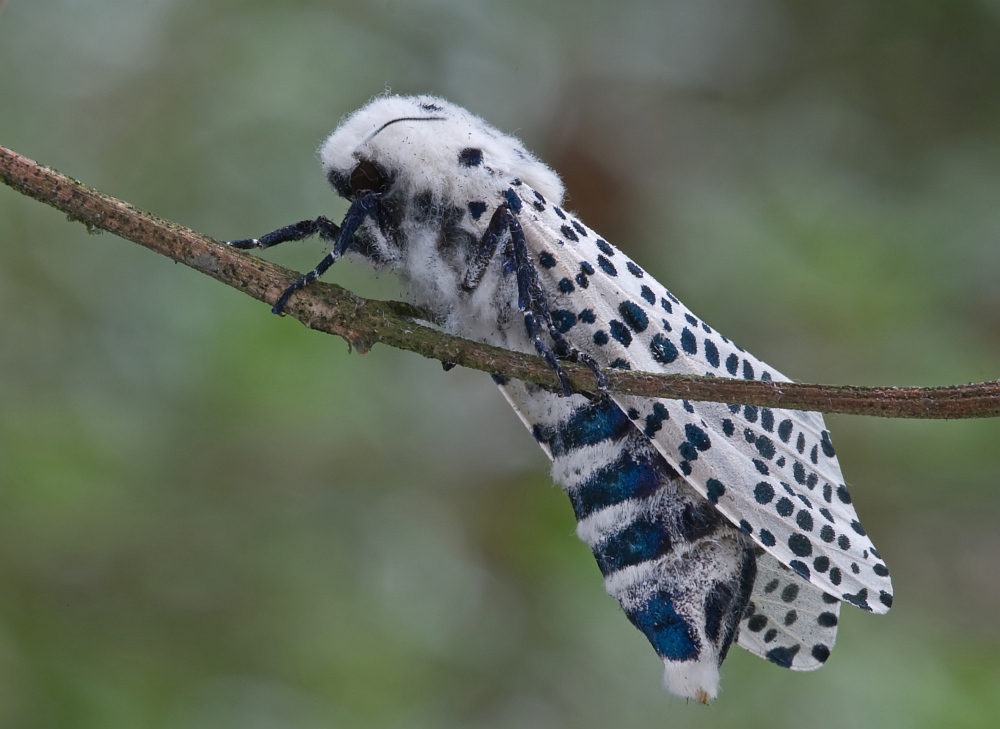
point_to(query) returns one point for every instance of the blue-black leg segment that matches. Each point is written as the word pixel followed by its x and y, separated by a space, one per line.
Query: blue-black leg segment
pixel 366 206
pixel 487 249
pixel 327 229
pixel 530 297
pixel 532 301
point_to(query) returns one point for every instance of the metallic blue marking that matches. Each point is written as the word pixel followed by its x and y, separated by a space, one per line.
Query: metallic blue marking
pixel 670 634
pixel 645 539
pixel 589 425
pixel 624 478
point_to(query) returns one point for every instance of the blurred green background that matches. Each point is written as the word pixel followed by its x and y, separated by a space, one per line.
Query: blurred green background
pixel 211 517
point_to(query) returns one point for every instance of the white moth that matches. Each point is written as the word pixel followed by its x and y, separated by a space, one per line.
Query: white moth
pixel 711 523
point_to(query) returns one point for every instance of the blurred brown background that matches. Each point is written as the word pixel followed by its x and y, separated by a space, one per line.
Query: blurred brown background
pixel 210 517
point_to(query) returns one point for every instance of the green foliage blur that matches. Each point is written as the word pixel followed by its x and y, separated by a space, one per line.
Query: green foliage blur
pixel 212 517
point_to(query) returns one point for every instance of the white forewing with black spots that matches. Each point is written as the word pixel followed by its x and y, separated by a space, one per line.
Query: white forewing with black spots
pixel 788 621
pixel 712 524
pixel 773 473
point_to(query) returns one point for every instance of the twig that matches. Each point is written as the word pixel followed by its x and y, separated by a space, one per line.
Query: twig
pixel 364 322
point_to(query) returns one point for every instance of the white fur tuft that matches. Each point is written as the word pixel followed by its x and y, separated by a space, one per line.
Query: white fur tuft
pixel 697 680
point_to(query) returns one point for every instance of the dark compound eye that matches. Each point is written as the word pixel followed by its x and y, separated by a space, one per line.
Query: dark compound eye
pixel 366 177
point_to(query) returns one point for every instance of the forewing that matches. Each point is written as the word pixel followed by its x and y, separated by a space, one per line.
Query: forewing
pixel 789 622
pixel 771 472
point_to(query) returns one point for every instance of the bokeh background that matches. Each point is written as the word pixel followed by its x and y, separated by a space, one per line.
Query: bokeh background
pixel 212 517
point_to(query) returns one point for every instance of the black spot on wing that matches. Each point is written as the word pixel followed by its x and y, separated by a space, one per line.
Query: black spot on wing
pixel 763 493
pixel 663 350
pixel 783 656
pixel 715 490
pixel 688 342
pixel 607 266
pixel 620 332
pixel 563 320
pixel 634 316
pixel 827 444
pixel 732 364
pixel 568 233
pixel 711 353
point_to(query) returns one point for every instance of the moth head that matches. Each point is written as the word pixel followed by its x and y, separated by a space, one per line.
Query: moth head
pixel 414 145
pixel 366 176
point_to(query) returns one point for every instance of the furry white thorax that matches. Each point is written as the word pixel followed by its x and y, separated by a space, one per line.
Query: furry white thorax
pixel 417 142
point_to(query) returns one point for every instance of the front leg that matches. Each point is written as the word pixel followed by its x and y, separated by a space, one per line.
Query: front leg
pixel 327 229
pixel 366 206
pixel 531 299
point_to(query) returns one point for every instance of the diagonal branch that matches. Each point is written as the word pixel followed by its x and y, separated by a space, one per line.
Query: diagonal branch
pixel 364 322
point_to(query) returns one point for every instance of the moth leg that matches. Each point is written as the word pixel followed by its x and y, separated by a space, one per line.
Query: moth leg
pixel 577 356
pixel 530 297
pixel 523 265
pixel 327 229
pixel 476 269
pixel 366 206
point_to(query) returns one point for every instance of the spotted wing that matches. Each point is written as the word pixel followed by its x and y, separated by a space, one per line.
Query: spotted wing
pixel 771 472
pixel 788 621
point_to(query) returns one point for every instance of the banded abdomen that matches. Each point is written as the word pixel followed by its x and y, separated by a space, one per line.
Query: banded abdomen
pixel 682 574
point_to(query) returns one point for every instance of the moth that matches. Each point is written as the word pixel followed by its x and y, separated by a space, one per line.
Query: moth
pixel 711 523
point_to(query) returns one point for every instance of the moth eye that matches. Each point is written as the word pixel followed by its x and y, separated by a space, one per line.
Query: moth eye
pixel 366 177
